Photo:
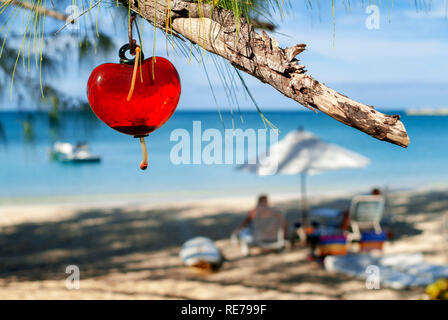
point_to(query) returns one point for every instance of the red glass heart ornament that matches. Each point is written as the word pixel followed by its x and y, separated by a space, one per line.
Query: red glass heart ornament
pixel 154 99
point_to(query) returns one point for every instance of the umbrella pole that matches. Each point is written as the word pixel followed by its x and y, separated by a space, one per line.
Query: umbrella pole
pixel 304 201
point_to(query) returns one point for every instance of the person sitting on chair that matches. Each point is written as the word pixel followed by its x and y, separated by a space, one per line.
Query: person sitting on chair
pixel 244 230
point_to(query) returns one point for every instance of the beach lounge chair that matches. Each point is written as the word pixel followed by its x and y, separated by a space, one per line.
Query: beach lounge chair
pixel 365 214
pixel 267 231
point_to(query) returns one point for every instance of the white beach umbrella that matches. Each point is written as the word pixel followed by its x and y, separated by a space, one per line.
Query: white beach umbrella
pixel 301 152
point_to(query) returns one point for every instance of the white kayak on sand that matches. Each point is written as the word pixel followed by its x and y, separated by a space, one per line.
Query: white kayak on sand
pixel 199 250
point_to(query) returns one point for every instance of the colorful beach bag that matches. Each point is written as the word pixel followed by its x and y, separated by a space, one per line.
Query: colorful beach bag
pixel 372 241
pixel 332 245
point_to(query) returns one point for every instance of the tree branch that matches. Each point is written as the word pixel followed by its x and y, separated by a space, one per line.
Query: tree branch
pixel 259 55
pixel 36 8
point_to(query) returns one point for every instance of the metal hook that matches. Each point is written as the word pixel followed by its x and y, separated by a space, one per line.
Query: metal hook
pixel 122 55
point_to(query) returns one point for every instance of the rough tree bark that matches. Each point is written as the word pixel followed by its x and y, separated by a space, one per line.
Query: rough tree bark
pixel 259 55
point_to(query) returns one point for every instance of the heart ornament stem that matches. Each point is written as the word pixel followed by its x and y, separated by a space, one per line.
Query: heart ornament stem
pixel 144 163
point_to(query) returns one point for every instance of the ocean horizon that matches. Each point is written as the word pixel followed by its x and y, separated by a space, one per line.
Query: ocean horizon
pixel 27 173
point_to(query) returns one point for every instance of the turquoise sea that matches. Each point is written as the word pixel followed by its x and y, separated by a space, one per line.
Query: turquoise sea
pixel 27 174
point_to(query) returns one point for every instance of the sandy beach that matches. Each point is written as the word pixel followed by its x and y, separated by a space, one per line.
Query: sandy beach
pixel 130 251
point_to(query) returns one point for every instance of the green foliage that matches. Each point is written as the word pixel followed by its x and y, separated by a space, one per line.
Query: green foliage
pixel 100 45
pixel 251 8
pixel 25 55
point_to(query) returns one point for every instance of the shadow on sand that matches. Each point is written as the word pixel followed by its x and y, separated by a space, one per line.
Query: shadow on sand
pixel 101 242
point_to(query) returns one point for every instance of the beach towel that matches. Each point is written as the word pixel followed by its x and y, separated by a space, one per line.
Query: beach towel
pixel 200 250
pixel 398 271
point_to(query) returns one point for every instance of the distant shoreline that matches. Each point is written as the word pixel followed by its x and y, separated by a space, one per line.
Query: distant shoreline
pixel 427 112
pixel 235 112
pixel 183 197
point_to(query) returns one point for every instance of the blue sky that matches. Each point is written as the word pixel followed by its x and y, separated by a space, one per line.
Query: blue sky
pixel 401 65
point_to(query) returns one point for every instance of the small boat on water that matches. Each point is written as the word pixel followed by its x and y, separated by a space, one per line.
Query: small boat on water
pixel 69 153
